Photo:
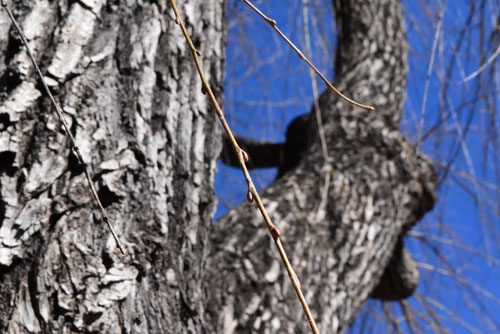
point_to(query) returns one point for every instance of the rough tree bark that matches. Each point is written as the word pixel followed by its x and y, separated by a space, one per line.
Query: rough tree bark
pixel 124 76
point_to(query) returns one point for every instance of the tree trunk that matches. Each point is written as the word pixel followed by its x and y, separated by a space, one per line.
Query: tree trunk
pixel 125 78
pixel 341 243
pixel 126 81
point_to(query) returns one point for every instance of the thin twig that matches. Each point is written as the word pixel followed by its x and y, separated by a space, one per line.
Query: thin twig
pixel 409 316
pixel 435 320
pixel 489 61
pixel 321 130
pixel 470 165
pixel 389 316
pixel 59 111
pixel 242 159
pixel 317 108
pixel 454 275
pixel 426 301
pixel 272 23
pixel 426 238
pixel 429 72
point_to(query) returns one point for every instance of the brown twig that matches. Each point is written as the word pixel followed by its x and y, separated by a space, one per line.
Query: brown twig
pixel 242 156
pixel 59 111
pixel 272 23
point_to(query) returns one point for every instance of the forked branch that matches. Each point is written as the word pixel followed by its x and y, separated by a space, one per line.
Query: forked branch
pixel 59 111
pixel 242 157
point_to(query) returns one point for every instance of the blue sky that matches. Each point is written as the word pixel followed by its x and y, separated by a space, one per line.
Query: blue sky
pixel 267 86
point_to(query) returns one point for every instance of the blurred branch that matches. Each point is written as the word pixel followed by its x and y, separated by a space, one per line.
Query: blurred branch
pixel 243 158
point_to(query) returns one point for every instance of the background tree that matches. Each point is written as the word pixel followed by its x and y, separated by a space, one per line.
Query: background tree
pixel 380 188
pixel 451 103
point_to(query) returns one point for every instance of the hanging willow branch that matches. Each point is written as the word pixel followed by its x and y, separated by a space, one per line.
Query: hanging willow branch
pixel 242 156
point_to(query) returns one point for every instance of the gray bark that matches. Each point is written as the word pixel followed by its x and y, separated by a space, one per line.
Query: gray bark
pixel 379 188
pixel 124 76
